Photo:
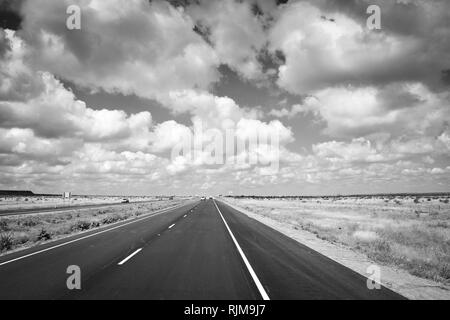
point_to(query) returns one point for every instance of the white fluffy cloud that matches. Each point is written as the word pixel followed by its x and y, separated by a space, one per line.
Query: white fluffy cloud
pixel 47 132
pixel 409 108
pixel 246 128
pixel 323 51
pixel 374 93
pixel 18 144
pixel 295 110
pixel 357 150
pixel 236 33
pixel 56 113
pixel 133 47
pixel 168 134
pixel 50 109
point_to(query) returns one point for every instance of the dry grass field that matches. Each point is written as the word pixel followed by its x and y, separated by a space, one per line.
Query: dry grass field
pixel 22 231
pixel 409 232
pixel 38 202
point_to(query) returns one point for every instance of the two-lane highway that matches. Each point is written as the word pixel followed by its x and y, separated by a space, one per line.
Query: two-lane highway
pixel 203 250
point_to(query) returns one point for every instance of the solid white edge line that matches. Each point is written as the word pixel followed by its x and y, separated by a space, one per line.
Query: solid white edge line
pixel 171 226
pixel 255 278
pixel 149 215
pixel 129 257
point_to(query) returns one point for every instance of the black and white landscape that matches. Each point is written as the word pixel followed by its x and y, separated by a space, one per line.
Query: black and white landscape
pixel 224 149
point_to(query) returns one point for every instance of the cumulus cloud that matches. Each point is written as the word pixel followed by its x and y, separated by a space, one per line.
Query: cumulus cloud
pixel 247 128
pixel 295 110
pixel 407 108
pixel 48 130
pixel 36 100
pixel 133 47
pixel 381 98
pixel 326 52
pixel 168 134
pixel 235 32
pixel 18 145
pixel 357 150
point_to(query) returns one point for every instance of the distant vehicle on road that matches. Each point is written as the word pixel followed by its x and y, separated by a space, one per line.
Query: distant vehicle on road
pixel 211 198
pixel 203 198
pixel 126 201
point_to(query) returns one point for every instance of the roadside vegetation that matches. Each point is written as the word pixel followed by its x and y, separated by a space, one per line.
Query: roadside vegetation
pixel 411 232
pixel 24 231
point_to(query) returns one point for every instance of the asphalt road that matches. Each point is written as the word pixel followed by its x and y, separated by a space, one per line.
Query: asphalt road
pixel 202 250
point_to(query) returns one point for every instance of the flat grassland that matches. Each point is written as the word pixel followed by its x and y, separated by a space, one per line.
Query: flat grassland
pixel 39 202
pixel 23 231
pixel 408 232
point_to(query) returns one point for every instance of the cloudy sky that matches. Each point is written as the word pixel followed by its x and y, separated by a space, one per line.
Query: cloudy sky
pixel 98 110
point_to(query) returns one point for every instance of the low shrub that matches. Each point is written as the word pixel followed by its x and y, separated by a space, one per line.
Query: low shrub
pixel 4 225
pixel 44 235
pixel 111 219
pixel 444 272
pixel 29 222
pixel 81 225
pixel 6 241
pixel 95 224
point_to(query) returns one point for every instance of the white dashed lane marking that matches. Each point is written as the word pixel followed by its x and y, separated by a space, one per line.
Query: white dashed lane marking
pixel 129 257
